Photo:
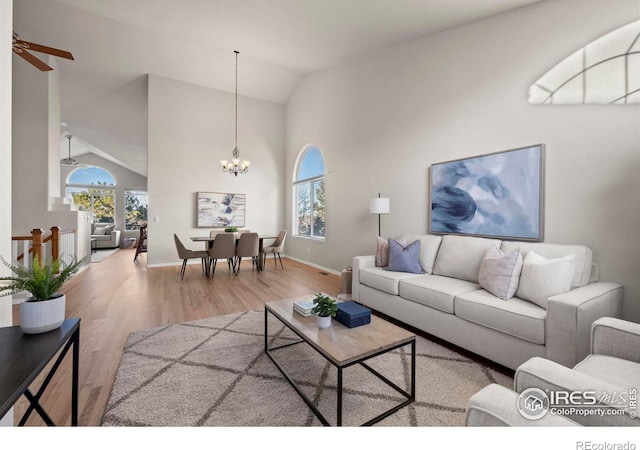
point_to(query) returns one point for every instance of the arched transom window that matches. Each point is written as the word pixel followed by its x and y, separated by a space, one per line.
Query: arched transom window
pixel 93 189
pixel 606 70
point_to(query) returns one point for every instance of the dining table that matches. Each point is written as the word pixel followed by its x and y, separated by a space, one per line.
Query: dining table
pixel 209 240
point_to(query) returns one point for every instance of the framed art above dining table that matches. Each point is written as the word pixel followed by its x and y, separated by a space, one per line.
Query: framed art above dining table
pixel 220 210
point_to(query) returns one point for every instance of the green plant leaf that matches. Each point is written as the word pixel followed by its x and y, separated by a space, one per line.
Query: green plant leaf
pixel 324 305
pixel 42 282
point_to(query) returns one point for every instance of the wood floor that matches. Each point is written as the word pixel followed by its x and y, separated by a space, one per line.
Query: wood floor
pixel 117 296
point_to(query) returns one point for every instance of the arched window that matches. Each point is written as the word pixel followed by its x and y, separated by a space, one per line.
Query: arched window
pixel 309 194
pixel 606 70
pixel 93 188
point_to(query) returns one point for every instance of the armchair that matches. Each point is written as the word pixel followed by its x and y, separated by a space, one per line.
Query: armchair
pixel 106 236
pixel 601 390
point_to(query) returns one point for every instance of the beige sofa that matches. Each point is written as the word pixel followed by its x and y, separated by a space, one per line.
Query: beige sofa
pixel 447 301
pixel 106 236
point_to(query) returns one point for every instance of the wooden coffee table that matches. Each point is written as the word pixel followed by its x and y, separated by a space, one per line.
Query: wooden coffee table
pixel 343 347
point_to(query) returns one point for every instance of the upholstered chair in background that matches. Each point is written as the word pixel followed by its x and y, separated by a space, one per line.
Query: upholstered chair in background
pixel 275 248
pixel 248 247
pixel 224 246
pixel 185 255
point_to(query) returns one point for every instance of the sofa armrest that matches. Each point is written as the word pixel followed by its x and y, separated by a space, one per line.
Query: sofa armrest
pixel 616 337
pixel 570 315
pixel 496 405
pixel 359 262
pixel 115 237
pixel 553 377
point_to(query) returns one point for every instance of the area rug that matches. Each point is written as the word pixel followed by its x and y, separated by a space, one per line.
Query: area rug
pixel 214 372
pixel 102 253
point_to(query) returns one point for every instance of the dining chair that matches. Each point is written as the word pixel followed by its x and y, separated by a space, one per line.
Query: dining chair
pixel 185 254
pixel 224 246
pixel 275 248
pixel 248 246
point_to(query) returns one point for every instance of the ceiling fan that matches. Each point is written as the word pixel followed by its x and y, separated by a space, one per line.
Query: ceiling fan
pixel 21 48
pixel 69 161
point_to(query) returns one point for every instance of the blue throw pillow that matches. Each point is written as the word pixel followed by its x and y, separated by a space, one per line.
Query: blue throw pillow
pixel 404 259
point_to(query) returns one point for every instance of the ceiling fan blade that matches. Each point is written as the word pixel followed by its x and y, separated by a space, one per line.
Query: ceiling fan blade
pixel 43 49
pixel 32 59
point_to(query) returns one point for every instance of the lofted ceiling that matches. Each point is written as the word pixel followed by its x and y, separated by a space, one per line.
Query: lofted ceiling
pixel 117 42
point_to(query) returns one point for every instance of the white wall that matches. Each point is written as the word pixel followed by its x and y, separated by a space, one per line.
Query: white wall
pixel 383 120
pixel 53 127
pixel 6 26
pixel 191 129
pixel 30 146
pixel 125 179
pixel 35 159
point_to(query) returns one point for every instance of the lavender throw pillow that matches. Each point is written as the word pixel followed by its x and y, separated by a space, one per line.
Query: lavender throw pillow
pixel 500 273
pixel 404 258
pixel 382 252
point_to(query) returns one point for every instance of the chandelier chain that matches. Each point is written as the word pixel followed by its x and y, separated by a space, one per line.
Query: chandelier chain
pixel 236 150
pixel 235 166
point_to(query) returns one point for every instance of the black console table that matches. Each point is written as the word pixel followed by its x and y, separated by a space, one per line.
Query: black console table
pixel 24 356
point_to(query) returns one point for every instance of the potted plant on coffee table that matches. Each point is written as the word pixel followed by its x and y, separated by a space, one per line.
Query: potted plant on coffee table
pixel 45 309
pixel 325 308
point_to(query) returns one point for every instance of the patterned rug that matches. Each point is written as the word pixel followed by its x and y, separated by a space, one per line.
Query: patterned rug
pixel 213 372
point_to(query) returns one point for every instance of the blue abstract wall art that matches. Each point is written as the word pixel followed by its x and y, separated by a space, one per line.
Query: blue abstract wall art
pixel 498 195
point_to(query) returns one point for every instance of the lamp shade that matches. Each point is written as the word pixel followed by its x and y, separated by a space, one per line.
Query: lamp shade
pixel 379 206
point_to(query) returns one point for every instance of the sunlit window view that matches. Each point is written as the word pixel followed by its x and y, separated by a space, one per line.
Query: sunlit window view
pixel 605 71
pixel 93 189
pixel 309 194
pixel 135 209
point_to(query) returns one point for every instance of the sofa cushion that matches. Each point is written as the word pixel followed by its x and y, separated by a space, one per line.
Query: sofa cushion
pixel 404 258
pixel 435 291
pixel 542 278
pixel 500 273
pixel 460 256
pixel 516 317
pixel 429 245
pixel 383 280
pixel 101 237
pixel 583 261
pixel 619 372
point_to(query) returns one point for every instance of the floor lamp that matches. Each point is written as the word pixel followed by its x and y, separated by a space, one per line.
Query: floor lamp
pixel 379 206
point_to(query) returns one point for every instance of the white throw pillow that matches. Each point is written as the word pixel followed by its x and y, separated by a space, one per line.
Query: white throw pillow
pixel 542 278
pixel 500 273
pixel 99 231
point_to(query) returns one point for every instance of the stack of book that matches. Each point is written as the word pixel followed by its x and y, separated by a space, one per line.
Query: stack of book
pixel 303 307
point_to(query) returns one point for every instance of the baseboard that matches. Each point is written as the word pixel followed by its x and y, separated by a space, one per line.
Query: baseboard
pixel 317 266
pixel 173 264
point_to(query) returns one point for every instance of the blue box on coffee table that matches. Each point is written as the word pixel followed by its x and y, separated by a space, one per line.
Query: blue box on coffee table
pixel 352 314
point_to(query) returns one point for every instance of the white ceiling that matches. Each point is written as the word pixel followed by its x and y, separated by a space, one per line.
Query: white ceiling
pixel 116 42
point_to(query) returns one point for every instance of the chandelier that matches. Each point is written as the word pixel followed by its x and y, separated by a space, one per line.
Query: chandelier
pixel 235 166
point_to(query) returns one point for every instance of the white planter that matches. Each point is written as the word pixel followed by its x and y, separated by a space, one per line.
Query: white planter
pixel 324 322
pixel 40 317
